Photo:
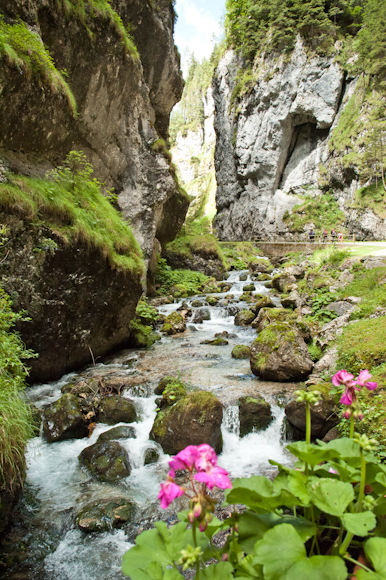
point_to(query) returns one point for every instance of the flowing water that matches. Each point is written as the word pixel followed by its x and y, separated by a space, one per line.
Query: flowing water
pixel 49 544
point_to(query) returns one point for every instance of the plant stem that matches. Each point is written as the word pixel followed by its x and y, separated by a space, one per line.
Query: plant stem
pixel 194 530
pixel 351 426
pixel 363 482
pixel 308 423
pixel 358 563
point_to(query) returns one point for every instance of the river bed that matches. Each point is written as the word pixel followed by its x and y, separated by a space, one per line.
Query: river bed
pixel 47 543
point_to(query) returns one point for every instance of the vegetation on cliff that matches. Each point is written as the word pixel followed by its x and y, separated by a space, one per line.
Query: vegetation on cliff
pixel 16 423
pixel 71 204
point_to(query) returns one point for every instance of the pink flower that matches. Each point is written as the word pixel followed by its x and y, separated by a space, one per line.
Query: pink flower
pixel 347 397
pixel 347 414
pixel 169 491
pixel 343 377
pixel 185 459
pixel 214 476
pixel 207 457
pixel 363 380
pixel 332 470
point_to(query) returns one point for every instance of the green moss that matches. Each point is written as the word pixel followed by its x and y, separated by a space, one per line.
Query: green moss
pixel 323 211
pixel 87 10
pixel 362 345
pixel 73 207
pixel 196 238
pixel 166 382
pixel 238 255
pixel 22 48
pixel 167 278
pixel 241 351
pixel 368 284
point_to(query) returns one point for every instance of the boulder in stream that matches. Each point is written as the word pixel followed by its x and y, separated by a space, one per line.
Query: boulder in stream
pixel 280 354
pixel 255 414
pixel 174 324
pixel 282 280
pixel 105 515
pixel 243 277
pixel 151 455
pixel 244 318
pixel 193 420
pixel 64 419
pixel 241 351
pixel 249 288
pixel 119 432
pixel 107 461
pixel 114 409
pixel 323 416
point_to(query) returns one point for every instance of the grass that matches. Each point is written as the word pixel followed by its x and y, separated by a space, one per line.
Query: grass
pixel 363 345
pixel 23 49
pixel 322 211
pixel 367 284
pixel 372 197
pixel 16 424
pixel 191 282
pixel 196 238
pixel 86 10
pixel 365 250
pixel 239 254
pixel 77 212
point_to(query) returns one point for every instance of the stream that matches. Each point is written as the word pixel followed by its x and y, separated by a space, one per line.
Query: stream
pixel 45 536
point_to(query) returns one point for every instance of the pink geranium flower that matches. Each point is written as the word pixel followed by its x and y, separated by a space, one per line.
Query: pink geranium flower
pixel 169 491
pixel 207 457
pixel 214 476
pixel 343 377
pixel 363 380
pixel 185 459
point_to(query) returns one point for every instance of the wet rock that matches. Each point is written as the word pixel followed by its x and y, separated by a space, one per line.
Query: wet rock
pixel 106 461
pixel 115 409
pixel 323 416
pixel 142 337
pixel 202 314
pixel 282 280
pixel 244 318
pixel 243 277
pixel 174 324
pixel 105 515
pixel 64 420
pixel 233 310
pixel 193 420
pixel 197 303
pixel 161 300
pixel 263 302
pixel 119 432
pixel 241 351
pixel 219 341
pixel 191 328
pixel 167 382
pixel 249 288
pixel 197 318
pixel 255 414
pixel 280 354
pixel 151 455
pixel 340 307
pixel 212 300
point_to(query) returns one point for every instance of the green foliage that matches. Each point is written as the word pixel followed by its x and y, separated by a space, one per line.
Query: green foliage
pixel 146 313
pixel 87 10
pixel 238 255
pixel 323 211
pixel 16 424
pixel 22 48
pixel 316 353
pixel 363 345
pixel 194 282
pixel 71 204
pixel 319 302
pixel 272 25
pixel 300 525
pixel 369 285
pixel 196 237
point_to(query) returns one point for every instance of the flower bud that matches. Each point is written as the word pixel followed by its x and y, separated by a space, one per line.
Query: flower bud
pixel 224 557
pixel 197 510
pixel 191 516
pixel 203 526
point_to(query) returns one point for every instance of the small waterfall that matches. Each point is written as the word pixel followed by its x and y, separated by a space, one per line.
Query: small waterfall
pixel 231 420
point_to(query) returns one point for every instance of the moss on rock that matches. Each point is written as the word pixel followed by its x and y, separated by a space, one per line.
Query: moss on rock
pixel 241 351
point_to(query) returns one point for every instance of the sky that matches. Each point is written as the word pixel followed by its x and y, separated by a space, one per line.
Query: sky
pixel 198 22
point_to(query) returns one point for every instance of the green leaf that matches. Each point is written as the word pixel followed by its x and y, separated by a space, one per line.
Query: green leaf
pixel 359 524
pixel 375 550
pixel 220 571
pixel 310 453
pixel 283 556
pixel 330 495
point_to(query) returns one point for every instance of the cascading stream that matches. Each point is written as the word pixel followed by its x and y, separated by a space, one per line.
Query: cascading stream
pixel 57 487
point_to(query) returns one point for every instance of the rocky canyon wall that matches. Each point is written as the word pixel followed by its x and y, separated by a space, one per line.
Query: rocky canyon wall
pixel 273 145
pixel 123 104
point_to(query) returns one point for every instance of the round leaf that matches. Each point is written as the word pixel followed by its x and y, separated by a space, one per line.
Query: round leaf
pixel 330 495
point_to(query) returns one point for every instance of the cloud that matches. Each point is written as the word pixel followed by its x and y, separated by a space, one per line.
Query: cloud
pixel 195 29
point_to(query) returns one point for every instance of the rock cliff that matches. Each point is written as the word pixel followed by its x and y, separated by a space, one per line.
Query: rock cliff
pixel 273 144
pixel 123 99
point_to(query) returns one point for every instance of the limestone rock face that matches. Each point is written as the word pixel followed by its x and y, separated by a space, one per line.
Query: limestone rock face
pixel 266 154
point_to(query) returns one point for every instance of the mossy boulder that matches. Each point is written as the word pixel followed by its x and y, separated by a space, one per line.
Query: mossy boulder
pixel 244 318
pixel 212 300
pixel 142 336
pixel 241 351
pixel 218 341
pixel 280 354
pixel 119 432
pixel 324 416
pixel 171 394
pixel 115 409
pixel 193 420
pixel 174 324
pixel 249 288
pixel 243 277
pixel 268 315
pixel 255 414
pixel 64 420
pixel 168 381
pixel 107 461
pixel 105 515
pixel 263 302
pixel 280 281
pixel 263 277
